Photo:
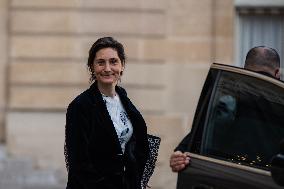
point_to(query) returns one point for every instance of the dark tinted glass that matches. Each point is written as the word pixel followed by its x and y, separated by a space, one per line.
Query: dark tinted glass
pixel 245 122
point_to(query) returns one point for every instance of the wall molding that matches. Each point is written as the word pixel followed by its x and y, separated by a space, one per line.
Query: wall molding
pixel 259 3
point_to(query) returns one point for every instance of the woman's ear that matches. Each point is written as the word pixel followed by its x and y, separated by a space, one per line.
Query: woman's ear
pixel 122 69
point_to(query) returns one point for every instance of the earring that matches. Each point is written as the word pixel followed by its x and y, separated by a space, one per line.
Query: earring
pixel 119 78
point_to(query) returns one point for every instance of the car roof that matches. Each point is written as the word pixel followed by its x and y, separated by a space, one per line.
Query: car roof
pixel 243 71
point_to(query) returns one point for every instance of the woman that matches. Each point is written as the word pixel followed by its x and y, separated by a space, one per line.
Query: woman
pixel 106 136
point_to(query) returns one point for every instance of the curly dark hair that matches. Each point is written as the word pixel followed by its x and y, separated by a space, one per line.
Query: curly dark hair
pixel 101 43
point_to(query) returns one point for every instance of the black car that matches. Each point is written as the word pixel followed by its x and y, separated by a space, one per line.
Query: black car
pixel 237 134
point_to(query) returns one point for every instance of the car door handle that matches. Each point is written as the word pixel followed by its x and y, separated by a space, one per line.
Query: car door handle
pixel 202 186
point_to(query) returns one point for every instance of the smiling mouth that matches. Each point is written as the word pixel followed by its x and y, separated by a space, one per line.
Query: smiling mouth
pixel 107 75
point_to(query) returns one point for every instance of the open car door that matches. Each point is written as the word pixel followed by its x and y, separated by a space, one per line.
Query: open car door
pixel 236 132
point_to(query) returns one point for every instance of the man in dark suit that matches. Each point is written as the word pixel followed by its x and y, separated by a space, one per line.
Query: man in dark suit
pixel 260 59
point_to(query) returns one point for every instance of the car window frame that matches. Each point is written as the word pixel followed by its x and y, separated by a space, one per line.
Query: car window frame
pixel 198 126
pixel 195 139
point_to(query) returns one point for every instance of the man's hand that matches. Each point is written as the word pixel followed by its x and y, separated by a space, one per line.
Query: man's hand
pixel 179 160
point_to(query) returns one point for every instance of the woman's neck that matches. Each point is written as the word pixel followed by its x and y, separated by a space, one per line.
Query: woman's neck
pixel 108 90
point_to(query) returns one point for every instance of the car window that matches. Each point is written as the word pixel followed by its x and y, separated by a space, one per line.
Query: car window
pixel 245 120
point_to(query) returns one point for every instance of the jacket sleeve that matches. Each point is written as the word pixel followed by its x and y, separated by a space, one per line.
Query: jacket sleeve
pixel 81 169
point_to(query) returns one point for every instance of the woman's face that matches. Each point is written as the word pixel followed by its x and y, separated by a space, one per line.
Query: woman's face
pixel 107 67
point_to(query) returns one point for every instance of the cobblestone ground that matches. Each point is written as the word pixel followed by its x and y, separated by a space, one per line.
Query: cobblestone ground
pixel 19 173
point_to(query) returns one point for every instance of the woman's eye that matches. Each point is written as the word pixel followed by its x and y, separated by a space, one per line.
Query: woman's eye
pixel 100 62
pixel 113 61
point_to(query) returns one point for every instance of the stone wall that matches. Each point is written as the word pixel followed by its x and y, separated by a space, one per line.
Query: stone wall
pixel 170 46
pixel 3 64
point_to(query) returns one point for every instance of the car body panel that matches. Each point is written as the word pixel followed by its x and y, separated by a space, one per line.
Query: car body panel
pixel 209 173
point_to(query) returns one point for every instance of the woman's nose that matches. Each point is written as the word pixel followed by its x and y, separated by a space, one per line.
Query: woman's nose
pixel 107 66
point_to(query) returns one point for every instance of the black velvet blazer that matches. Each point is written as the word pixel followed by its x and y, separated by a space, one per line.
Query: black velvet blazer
pixel 93 153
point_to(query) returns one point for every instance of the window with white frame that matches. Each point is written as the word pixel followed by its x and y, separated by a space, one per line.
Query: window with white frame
pixel 256 26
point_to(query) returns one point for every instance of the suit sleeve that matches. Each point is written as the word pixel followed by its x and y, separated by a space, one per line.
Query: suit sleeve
pixel 184 143
pixel 81 170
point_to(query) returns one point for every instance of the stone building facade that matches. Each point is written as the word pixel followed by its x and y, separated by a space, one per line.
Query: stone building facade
pixel 43 53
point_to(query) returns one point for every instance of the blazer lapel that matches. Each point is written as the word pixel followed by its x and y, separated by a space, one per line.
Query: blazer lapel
pixel 104 116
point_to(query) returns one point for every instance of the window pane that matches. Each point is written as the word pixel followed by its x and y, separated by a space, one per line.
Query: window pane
pixel 255 29
pixel 246 121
